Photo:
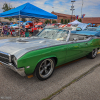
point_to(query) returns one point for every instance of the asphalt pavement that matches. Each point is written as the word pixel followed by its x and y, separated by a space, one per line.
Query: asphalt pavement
pixel 87 88
pixel 61 86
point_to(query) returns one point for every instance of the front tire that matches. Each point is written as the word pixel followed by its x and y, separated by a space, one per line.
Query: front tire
pixel 45 69
pixel 92 54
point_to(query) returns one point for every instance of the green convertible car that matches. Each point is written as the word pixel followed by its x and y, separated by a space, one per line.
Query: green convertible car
pixel 40 54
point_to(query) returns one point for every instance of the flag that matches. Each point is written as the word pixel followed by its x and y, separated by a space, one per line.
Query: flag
pixel 83 16
pixel 76 16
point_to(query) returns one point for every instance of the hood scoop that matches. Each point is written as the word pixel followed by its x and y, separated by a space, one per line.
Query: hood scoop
pixel 20 40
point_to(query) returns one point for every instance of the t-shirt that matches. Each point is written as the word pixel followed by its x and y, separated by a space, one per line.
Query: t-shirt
pixel 22 33
pixel 5 29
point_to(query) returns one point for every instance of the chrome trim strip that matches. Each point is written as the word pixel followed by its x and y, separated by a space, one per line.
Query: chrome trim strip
pixel 4 57
pixel 4 53
pixel 9 58
pixel 20 71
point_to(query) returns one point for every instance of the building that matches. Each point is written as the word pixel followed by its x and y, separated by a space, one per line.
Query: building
pixel 63 16
pixel 60 16
pixel 93 20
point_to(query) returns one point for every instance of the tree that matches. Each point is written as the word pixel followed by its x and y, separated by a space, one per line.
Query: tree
pixel 54 21
pixel 80 20
pixel 65 21
pixel 7 7
pixel 47 21
pixel 68 20
pixel 62 21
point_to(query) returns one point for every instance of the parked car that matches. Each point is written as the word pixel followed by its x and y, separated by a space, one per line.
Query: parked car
pixel 88 31
pixel 42 53
pixel 92 29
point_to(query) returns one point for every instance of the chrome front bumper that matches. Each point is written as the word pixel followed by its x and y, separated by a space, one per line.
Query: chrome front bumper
pixel 20 71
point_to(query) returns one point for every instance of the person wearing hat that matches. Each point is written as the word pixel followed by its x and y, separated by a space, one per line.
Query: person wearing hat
pixel 12 30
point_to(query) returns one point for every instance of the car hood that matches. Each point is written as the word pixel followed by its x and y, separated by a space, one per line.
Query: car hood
pixel 20 46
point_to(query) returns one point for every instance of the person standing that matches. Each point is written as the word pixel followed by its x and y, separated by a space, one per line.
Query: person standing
pixel 5 30
pixel 22 33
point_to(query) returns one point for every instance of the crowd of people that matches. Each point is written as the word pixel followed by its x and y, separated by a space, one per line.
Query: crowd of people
pixel 23 31
pixel 5 30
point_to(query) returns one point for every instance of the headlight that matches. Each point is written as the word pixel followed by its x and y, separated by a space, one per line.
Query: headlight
pixel 15 60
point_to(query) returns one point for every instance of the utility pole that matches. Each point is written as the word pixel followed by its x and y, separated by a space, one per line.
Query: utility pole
pixel 53 9
pixel 72 8
pixel 81 8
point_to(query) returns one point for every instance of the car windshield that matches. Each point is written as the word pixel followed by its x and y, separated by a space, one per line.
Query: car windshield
pixel 56 34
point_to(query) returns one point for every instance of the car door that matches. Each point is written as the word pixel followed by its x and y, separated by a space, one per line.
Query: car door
pixel 73 51
pixel 84 47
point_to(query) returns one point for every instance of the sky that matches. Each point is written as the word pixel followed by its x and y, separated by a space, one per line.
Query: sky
pixel 91 8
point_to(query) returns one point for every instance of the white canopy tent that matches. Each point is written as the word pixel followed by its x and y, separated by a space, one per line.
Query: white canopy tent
pixel 75 22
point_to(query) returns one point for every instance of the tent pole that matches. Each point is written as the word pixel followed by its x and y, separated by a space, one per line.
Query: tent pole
pixel 19 25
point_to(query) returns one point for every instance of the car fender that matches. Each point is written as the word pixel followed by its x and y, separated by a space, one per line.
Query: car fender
pixel 53 56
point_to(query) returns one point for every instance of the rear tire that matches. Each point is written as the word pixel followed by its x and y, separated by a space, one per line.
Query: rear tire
pixel 45 69
pixel 92 54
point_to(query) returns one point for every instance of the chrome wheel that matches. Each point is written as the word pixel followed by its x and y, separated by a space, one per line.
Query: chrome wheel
pixel 45 68
pixel 94 53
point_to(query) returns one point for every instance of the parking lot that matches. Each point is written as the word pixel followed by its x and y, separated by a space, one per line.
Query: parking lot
pixel 58 87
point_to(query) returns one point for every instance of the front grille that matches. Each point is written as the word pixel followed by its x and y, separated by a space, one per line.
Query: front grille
pixel 4 57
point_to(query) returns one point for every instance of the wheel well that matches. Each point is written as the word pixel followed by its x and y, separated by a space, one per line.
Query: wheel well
pixel 51 57
pixel 55 60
